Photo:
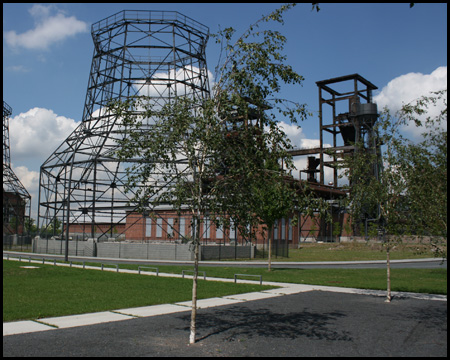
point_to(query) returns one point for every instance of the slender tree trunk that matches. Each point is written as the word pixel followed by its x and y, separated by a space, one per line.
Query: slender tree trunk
pixel 270 249
pixel 388 266
pixel 196 258
pixel 194 294
pixel 196 233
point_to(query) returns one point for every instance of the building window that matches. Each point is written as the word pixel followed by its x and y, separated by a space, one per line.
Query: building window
pixel 232 231
pixel 158 227
pixel 219 232
pixel 275 230
pixel 182 227
pixel 170 229
pixel 148 227
pixel 283 229
pixel 207 232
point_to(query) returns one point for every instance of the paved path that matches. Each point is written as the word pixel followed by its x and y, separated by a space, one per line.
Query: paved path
pixel 426 263
pixel 294 320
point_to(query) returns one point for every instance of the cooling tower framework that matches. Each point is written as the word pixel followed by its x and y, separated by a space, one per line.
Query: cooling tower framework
pixel 156 54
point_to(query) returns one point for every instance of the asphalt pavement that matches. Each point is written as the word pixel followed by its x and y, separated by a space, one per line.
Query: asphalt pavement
pixel 311 323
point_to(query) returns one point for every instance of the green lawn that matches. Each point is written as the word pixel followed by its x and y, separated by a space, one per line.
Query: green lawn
pixel 432 281
pixel 56 291
pixel 353 251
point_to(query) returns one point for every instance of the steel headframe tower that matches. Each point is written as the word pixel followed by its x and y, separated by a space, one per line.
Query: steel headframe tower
pixel 350 130
pixel 16 199
pixel 156 54
pixel 347 117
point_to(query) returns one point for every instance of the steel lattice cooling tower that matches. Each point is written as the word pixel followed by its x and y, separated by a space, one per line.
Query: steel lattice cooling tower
pixel 160 55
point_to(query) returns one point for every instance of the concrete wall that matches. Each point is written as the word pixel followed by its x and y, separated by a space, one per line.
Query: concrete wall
pixel 15 239
pixel 145 251
pixel 52 246
pixel 123 250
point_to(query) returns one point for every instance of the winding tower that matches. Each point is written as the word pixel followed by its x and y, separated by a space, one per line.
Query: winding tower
pixel 347 117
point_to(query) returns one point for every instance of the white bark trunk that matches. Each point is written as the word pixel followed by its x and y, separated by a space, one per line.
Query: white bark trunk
pixel 194 295
pixel 196 223
pixel 388 265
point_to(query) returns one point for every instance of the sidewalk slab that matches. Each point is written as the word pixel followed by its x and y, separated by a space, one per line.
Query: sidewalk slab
pixel 23 327
pixel 251 296
pixel 85 319
pixel 206 303
pixel 153 310
pixel 290 290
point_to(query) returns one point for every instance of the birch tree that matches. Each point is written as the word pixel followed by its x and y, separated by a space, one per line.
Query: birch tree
pixel 409 199
pixel 223 155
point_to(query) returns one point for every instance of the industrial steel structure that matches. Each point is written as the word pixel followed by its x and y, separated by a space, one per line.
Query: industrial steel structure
pixel 347 117
pixel 154 54
pixel 16 199
pixel 160 56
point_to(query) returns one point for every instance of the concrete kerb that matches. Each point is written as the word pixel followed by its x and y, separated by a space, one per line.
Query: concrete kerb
pixel 21 327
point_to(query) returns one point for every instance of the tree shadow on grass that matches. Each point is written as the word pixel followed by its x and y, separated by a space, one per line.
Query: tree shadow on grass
pixel 237 322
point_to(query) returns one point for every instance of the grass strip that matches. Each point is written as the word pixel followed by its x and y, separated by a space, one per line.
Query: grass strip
pixel 49 290
pixel 352 251
pixel 430 281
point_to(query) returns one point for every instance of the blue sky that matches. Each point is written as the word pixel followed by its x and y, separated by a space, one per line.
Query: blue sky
pixel 47 54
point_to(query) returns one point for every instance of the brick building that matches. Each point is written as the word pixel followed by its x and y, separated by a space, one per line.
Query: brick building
pixel 14 213
pixel 167 225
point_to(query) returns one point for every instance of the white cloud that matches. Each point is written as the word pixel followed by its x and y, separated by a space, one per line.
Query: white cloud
pixel 35 134
pixel 158 85
pixel 28 178
pixel 48 29
pixel 294 133
pixel 40 11
pixel 409 87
